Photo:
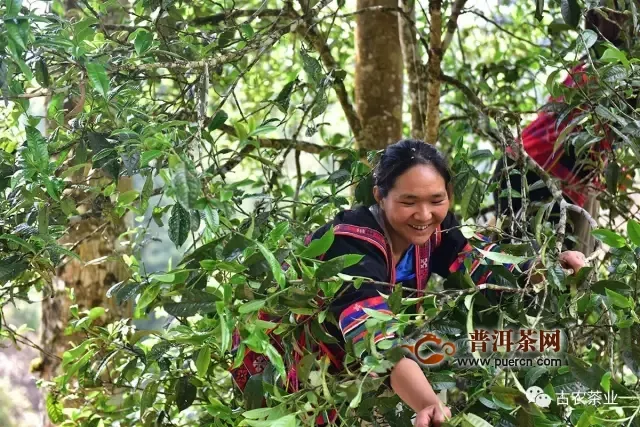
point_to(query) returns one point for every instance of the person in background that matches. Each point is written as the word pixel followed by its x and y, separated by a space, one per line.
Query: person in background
pixel 579 175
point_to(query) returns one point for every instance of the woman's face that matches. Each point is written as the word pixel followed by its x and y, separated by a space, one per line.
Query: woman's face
pixel 416 205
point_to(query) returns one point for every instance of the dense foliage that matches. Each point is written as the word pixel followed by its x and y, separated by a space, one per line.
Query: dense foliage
pixel 229 120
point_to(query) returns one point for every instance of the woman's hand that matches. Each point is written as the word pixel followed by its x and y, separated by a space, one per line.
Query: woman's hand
pixel 432 416
pixel 572 259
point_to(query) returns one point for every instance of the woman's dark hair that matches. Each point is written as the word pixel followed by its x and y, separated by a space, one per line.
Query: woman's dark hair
pixel 403 155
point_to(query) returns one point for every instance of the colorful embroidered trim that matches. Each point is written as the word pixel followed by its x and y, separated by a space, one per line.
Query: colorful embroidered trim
pixel 353 318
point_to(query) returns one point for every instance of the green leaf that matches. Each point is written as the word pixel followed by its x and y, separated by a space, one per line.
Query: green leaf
pixel 189 308
pixel 612 175
pixel 12 9
pixel 570 12
pixel 471 198
pixel 286 421
pixel 257 413
pixel 127 291
pixel 203 360
pixel 37 148
pixel 42 74
pixel 605 382
pixel 630 345
pixel 601 286
pixel 355 402
pixel 583 372
pixel 320 104
pixel 609 237
pixel 77 365
pixel 476 421
pixel 179 224
pixel 502 258
pixel 618 300
pixel 589 38
pixel 149 396
pixel 185 393
pixel 339 177
pixel 158 350
pixel 319 246
pixel 96 312
pixel 98 78
pixel 103 154
pixel 613 54
pixel 633 231
pixel 149 294
pixel 187 185
pixel 54 409
pixel 211 217
pixel 15 34
pixel 251 306
pixel 127 197
pixel 608 114
pixel 147 192
pixel 147 156
pixel 276 359
pixel 11 267
pixel 311 67
pixel 284 97
pixel 194 220
pixel 279 231
pixel 375 314
pixel 143 41
pixel 165 278
pixel 305 365
pixel 336 265
pixel 18 241
pixel 585 420
pixel 276 269
pixel 533 375
pixel 218 120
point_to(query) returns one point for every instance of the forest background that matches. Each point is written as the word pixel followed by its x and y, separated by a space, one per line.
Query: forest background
pixel 160 159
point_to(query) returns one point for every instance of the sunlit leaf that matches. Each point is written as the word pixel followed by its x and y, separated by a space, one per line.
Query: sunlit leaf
pixel 98 78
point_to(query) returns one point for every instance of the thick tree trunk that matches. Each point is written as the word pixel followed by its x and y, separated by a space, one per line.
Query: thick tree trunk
pixel 413 65
pixel 378 77
pixel 89 283
pixel 433 69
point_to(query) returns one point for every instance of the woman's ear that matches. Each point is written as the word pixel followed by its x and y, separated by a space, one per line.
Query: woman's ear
pixel 376 194
pixel 450 193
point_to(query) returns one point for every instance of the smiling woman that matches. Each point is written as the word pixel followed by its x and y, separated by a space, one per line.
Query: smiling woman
pixel 407 235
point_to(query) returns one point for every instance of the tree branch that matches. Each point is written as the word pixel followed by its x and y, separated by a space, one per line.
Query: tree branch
pixel 498 26
pixel 468 93
pixel 38 93
pixel 433 70
pixel 412 64
pixel 233 14
pixel 279 144
pixel 452 24
pixel 255 44
pixel 306 30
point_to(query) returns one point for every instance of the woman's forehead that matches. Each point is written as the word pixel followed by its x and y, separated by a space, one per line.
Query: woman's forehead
pixel 420 177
